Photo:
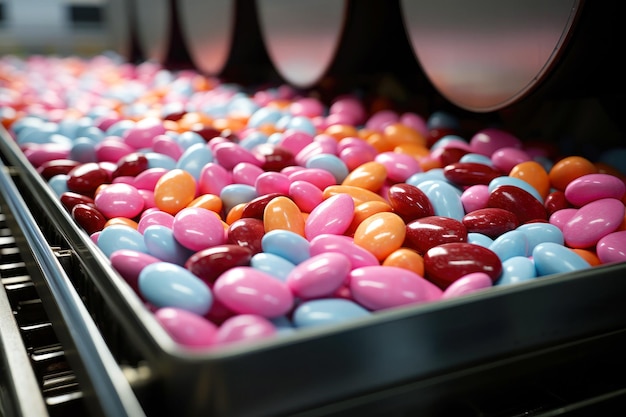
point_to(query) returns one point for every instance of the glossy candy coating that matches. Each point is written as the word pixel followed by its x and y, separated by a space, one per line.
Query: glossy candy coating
pixel 446 263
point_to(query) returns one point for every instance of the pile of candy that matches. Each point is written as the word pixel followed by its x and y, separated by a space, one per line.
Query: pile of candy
pixel 237 215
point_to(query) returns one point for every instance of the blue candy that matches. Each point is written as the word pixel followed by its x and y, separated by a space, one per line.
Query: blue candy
pixel 510 244
pixel 444 197
pixel 272 264
pixel 286 244
pixel 194 158
pixel 161 243
pixel 552 258
pixel 517 269
pixel 327 311
pixel 119 236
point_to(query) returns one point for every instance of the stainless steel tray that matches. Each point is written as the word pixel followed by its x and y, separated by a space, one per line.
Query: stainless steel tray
pixel 411 350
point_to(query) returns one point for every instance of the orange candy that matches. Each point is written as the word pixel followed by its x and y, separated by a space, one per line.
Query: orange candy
pixel 359 195
pixel 379 142
pixel 568 169
pixel 588 256
pixel 370 175
pixel 121 220
pixel 341 131
pixel 534 174
pixel 174 191
pixel 365 210
pixel 235 213
pixel 281 213
pixel 208 201
pixel 381 234
pixel 407 259
pixel 398 134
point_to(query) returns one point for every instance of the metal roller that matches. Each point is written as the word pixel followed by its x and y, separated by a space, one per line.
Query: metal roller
pixel 484 55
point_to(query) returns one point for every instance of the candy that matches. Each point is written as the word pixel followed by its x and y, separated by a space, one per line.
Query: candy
pixel 448 262
pixel 333 216
pixel 568 169
pixel 174 190
pixel 592 187
pixel 370 176
pixel 470 173
pixel 326 312
pixel 445 199
pixel 428 232
pixel 129 263
pixel 612 247
pixel 518 201
pixel 468 284
pixel 409 202
pixel 592 222
pixel 119 200
pixel 244 328
pixel 86 178
pixel 491 222
pixel 88 217
pixel 552 258
pixel 118 237
pixel 248 291
pixel 378 287
pixel 164 284
pixel 319 276
pixel 517 269
pixel 283 213
pixel 161 243
pixel 197 228
pixel 286 244
pixel 186 328
pixel 248 233
pixel 272 264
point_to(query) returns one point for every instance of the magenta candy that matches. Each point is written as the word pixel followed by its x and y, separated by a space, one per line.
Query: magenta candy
pixel 306 106
pixel 89 218
pixel 272 182
pixel 124 180
pixel 560 217
pixel 244 328
pixel 399 166
pixel 593 187
pixel 491 222
pixel 246 290
pixel 129 263
pixel 316 176
pixel 470 173
pixel 147 179
pixel 427 232
pixel 612 247
pixel 143 133
pixel 248 233
pixel 350 106
pixel 186 328
pixel 294 141
pixel 159 218
pixel 504 159
pixel 520 202
pixel 85 178
pixel 306 195
pixel 229 154
pixel 119 200
pixel 214 177
pixel 210 263
pixel 246 173
pixel 355 156
pixel 111 149
pixel 317 147
pixel 319 276
pixel 468 284
pixel 409 202
pixel 345 245
pixel 197 228
pixel 148 198
pixel 332 216
pixel 415 122
pixel 39 154
pixel 383 287
pixel 381 119
pixel 165 145
pixel 489 140
pixel 475 197
pixel 446 263
pixel 592 222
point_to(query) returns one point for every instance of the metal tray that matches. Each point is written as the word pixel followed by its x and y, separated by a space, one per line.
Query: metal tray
pixel 414 353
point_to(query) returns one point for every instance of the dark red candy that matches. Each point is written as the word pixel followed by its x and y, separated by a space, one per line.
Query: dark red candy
pixel 70 199
pixel 248 233
pixel 470 173
pixel 89 218
pixel 56 167
pixel 518 201
pixel 256 207
pixel 437 133
pixel 409 202
pixel 276 158
pixel 446 263
pixel 206 132
pixel 131 165
pixel 451 155
pixel 427 232
pixel 490 221
pixel 556 201
pixel 210 263
pixel 86 178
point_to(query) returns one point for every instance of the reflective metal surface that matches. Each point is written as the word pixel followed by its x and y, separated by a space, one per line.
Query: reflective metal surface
pixel 208 28
pixel 153 21
pixel 484 55
pixel 302 37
